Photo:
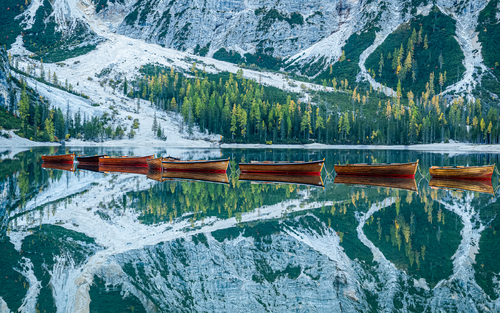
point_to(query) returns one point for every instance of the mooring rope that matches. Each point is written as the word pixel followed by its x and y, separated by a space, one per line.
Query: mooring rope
pixel 496 170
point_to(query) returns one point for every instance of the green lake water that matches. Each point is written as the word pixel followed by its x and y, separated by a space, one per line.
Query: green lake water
pixel 91 241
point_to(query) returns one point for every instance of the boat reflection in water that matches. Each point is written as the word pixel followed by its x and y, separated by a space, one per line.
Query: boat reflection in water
pixel 482 186
pixel 88 167
pixel 310 180
pixel 386 182
pixel 161 176
pixel 59 166
pixel 143 170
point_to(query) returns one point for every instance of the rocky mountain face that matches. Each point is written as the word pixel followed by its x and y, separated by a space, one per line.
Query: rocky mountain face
pixel 4 84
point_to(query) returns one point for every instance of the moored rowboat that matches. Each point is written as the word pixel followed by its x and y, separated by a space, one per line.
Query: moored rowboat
pixel 89 158
pixel 483 186
pixel 292 168
pixel 125 160
pixel 402 170
pixel 59 166
pixel 310 180
pixel 176 165
pixel 63 158
pixel 462 172
pixel 220 178
pixel 375 181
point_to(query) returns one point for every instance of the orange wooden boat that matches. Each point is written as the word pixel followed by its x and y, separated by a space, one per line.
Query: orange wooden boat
pixel 90 158
pixel 403 170
pixel 375 181
pixel 462 172
pixel 143 170
pixel 63 158
pixel 174 164
pixel 310 180
pixel 476 185
pixel 209 177
pixel 59 166
pixel 125 160
pixel 292 168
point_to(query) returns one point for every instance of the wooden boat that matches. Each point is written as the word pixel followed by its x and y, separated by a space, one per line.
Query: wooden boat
pixel 293 168
pixel 462 172
pixel 375 181
pixel 476 185
pixel 63 158
pixel 125 160
pixel 403 170
pixel 143 170
pixel 310 180
pixel 59 166
pixel 155 164
pixel 174 164
pixel 89 158
pixel 93 167
pixel 209 177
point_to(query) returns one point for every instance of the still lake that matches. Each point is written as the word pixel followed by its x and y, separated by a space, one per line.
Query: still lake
pixel 88 241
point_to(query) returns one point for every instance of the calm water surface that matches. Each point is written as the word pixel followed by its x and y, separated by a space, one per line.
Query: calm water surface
pixel 114 242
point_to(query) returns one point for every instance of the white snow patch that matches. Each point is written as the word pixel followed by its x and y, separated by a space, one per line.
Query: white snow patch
pixel 17 237
pixel 30 301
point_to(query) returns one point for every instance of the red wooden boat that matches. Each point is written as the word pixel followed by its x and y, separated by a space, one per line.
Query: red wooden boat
pixel 402 170
pixel 463 172
pixel 175 165
pixel 90 158
pixel 291 168
pixel 62 158
pixel 125 160
pixel 70 167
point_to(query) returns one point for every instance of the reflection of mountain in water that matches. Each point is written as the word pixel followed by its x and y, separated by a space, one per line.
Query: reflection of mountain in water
pixel 120 243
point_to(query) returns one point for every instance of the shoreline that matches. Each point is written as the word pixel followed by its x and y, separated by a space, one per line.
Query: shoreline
pixel 454 147
pixel 434 147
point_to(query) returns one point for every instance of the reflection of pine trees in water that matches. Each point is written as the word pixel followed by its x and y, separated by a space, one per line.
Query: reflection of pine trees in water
pixel 415 237
pixel 171 199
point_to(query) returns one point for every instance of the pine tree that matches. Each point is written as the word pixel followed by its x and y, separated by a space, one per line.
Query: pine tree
pixel 125 86
pixel 155 124
pixel 419 39
pixel 381 64
pixel 426 42
pixel 49 128
pixel 55 80
pixel 342 57
pixel 233 121
pixel 320 124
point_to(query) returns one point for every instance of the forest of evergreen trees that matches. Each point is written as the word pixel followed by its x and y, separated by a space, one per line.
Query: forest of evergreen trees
pixel 243 110
pixel 35 119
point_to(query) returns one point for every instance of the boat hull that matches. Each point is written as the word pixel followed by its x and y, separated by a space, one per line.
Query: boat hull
pixel 374 181
pixel 208 166
pixel 292 168
pixel 309 180
pixel 125 161
pixel 209 177
pixel 142 170
pixel 469 172
pixel 92 159
pixel 476 185
pixel 401 170
pixel 70 167
pixel 63 158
